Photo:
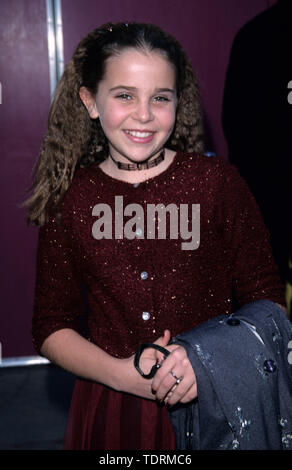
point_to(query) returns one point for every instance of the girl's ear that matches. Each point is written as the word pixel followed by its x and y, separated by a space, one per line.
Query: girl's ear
pixel 89 102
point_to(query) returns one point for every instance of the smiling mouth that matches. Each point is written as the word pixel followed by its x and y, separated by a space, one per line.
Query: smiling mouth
pixel 140 134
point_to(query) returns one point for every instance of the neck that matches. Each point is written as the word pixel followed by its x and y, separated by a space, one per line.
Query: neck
pixel 109 167
pixel 136 166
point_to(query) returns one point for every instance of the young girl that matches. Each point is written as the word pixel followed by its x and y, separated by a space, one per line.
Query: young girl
pixel 125 128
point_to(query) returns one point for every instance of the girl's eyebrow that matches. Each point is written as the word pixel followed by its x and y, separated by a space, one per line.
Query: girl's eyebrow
pixel 167 90
pixel 132 88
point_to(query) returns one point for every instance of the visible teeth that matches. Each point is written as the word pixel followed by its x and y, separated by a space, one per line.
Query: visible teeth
pixel 139 134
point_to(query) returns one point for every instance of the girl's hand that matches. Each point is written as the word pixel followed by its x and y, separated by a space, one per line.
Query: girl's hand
pixel 165 385
pixel 130 381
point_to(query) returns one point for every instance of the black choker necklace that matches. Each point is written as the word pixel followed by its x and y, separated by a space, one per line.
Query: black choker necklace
pixel 139 166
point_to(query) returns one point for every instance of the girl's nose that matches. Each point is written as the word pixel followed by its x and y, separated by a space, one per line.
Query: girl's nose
pixel 143 112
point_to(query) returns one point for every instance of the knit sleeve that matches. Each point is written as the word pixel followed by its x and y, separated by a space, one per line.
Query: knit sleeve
pixel 254 271
pixel 58 287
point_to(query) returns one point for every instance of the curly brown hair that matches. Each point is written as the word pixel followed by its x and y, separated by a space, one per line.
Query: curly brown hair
pixel 74 140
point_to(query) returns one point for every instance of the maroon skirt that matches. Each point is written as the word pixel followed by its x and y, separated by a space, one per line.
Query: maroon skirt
pixel 102 419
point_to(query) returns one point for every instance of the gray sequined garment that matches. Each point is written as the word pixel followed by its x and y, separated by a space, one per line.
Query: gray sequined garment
pixel 243 366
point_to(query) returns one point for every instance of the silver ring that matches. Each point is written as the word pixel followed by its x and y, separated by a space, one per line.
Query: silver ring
pixel 177 379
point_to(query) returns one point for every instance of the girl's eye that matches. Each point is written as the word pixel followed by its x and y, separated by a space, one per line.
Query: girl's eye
pixel 161 99
pixel 124 96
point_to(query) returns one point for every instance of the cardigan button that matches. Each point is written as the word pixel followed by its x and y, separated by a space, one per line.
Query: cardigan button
pixel 270 366
pixel 144 275
pixel 233 321
pixel 145 316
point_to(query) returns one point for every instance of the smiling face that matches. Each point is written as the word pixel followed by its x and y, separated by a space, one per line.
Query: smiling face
pixel 136 104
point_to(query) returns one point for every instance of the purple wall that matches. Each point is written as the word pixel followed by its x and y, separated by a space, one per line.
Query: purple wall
pixel 205 28
pixel 24 77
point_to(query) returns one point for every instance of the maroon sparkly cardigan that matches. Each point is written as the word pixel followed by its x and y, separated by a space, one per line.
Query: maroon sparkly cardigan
pixel 137 288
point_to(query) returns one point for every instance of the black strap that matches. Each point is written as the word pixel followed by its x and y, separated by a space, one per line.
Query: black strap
pixel 154 368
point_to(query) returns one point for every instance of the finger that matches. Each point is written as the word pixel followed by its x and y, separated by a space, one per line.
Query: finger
pixel 169 383
pixel 190 395
pixel 162 341
pixel 154 354
pixel 179 390
pixel 163 380
pixel 163 372
pixel 173 398
pixel 171 392
pixel 181 395
pixel 176 361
